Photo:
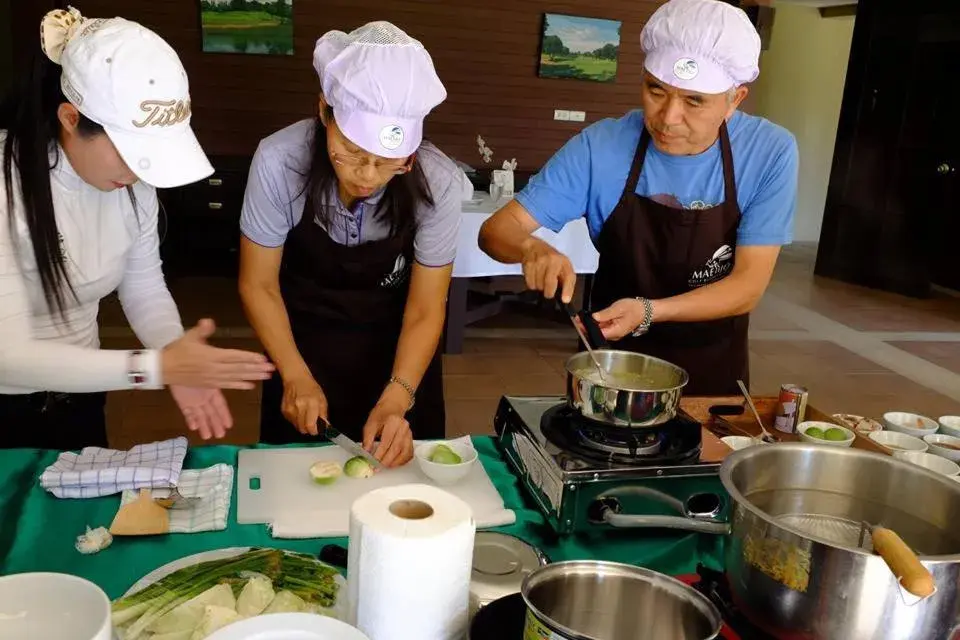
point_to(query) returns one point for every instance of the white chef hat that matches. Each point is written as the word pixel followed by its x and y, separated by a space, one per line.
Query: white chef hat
pixel 708 46
pixel 381 84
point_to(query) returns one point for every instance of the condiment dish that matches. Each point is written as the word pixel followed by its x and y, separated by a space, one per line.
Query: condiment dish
pixel 895 441
pixel 950 425
pixel 445 474
pixel 911 424
pixel 944 446
pixel 929 461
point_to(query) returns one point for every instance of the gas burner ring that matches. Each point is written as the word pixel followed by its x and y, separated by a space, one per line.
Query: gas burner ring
pixel 645 445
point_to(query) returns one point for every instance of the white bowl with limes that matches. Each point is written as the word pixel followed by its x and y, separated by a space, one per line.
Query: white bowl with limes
pixel 825 433
pixel 444 461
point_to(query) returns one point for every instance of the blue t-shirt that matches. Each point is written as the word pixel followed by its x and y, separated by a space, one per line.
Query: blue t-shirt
pixel 588 175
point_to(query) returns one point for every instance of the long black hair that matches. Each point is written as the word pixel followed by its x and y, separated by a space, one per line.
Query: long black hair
pixel 402 198
pixel 29 115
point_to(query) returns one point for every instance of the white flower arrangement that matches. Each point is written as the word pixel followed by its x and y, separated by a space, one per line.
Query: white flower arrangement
pixel 485 152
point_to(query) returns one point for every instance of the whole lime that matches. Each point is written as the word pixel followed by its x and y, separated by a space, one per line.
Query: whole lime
pixel 834 434
pixel 815 432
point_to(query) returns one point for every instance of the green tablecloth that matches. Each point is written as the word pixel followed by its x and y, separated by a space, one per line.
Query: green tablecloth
pixel 38 531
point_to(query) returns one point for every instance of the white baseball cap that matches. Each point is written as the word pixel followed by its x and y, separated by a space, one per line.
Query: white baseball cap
pixel 707 46
pixel 381 84
pixel 128 79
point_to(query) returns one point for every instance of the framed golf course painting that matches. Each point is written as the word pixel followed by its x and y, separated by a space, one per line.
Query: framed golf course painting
pixel 262 27
pixel 579 48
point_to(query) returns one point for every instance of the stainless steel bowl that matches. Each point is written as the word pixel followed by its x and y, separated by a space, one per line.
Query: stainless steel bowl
pixel 590 600
pixel 639 390
pixel 795 583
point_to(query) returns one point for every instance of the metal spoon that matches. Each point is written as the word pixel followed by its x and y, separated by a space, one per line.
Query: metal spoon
pixel 766 437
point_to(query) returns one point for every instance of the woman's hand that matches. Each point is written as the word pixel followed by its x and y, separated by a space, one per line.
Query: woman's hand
pixel 191 362
pixel 205 410
pixel 396 440
pixel 303 404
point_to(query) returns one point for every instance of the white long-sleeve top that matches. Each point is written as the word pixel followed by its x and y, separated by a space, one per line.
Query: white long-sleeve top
pixel 108 247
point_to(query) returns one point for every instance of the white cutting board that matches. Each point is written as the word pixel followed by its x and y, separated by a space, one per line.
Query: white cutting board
pixel 288 494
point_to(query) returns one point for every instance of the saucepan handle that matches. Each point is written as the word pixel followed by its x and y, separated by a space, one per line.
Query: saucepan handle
pixel 594 334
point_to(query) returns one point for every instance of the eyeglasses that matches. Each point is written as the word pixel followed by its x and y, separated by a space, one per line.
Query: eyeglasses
pixel 383 168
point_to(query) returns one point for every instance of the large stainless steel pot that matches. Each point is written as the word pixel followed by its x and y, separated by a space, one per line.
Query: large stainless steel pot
pixel 797 584
pixel 792 583
pixel 636 391
pixel 590 600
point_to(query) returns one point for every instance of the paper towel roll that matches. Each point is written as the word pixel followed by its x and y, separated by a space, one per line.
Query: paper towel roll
pixel 409 563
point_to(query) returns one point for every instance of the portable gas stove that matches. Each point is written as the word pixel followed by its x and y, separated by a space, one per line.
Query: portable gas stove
pixel 571 465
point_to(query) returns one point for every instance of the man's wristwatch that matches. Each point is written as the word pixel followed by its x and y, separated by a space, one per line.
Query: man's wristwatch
pixel 644 325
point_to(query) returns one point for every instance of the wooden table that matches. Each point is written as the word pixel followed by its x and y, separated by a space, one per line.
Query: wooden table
pixel 715 450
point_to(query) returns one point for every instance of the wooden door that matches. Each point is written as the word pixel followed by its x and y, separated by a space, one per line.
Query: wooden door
pixel 887 204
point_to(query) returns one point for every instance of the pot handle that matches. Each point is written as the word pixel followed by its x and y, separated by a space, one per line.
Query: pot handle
pixel 903 562
pixel 594 335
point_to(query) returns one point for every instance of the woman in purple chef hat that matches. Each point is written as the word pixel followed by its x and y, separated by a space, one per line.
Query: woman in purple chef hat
pixel 349 230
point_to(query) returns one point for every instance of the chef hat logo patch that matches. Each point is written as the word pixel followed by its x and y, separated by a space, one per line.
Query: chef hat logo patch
pixel 391 137
pixel 686 69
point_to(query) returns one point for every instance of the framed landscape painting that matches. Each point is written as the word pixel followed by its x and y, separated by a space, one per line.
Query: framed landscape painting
pixel 580 48
pixel 262 27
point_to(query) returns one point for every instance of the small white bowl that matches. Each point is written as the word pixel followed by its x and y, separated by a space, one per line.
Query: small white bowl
pixel 929 461
pixel 936 443
pixel 53 606
pixel 911 424
pixel 444 474
pixel 895 442
pixel 823 426
pixel 740 442
pixel 950 425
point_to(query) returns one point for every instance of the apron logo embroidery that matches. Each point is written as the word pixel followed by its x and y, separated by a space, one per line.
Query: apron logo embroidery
pixel 391 137
pixel 398 275
pixel 686 69
pixel 716 268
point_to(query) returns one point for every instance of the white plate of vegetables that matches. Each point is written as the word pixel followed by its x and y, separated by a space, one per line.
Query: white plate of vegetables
pixel 193 597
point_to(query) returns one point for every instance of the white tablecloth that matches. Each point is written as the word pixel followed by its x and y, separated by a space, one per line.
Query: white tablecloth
pixel 573 241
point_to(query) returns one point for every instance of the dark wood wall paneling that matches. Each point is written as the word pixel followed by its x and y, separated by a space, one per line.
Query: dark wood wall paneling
pixel 485 52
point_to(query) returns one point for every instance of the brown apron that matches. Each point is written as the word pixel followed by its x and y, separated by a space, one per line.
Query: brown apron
pixel 346 306
pixel 652 250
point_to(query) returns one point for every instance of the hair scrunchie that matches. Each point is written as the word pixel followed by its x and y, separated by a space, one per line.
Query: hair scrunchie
pixel 56 30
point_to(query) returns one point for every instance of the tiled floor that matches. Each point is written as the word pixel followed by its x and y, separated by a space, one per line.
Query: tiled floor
pixel 857 351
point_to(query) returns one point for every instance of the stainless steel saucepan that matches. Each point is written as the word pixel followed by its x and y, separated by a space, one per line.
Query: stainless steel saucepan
pixel 805 521
pixel 633 390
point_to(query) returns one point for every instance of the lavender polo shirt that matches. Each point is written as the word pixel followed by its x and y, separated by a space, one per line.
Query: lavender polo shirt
pixel 273 203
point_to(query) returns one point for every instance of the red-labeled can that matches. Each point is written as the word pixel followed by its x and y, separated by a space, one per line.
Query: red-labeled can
pixel 791 408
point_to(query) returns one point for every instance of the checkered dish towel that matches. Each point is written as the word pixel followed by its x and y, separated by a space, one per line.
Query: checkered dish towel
pixel 98 472
pixel 214 487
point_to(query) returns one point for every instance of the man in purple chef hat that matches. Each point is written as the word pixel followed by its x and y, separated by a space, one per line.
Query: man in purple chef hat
pixel 687 199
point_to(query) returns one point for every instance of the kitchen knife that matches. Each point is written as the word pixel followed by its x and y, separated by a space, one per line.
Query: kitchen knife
pixel 346 443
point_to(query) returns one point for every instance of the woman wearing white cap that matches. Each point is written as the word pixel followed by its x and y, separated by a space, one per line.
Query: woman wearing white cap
pixel 349 233
pixel 99 121
pixel 689 227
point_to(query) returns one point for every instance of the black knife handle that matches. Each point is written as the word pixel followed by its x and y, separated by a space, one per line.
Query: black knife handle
pixel 335 555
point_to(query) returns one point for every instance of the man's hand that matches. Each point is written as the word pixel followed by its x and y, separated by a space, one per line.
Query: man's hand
pixel 205 410
pixel 303 403
pixel 546 269
pixel 396 439
pixel 620 319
